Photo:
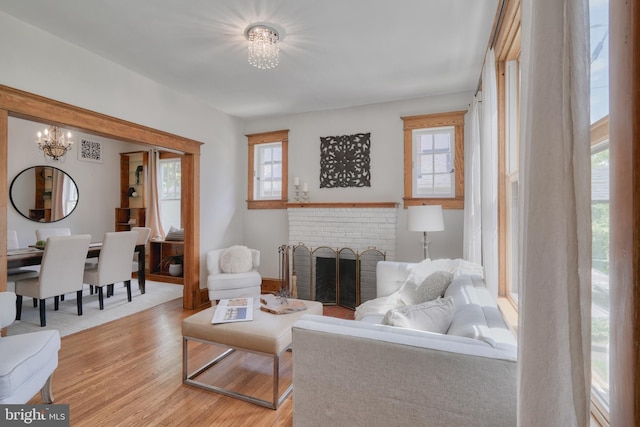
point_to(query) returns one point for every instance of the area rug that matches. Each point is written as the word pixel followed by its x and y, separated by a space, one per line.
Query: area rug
pixel 67 321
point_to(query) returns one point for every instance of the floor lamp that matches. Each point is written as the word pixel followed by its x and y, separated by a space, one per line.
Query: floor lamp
pixel 425 218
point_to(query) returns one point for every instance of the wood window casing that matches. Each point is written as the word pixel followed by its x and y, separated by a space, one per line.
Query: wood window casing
pixel 624 163
pixel 506 46
pixel 281 136
pixel 411 123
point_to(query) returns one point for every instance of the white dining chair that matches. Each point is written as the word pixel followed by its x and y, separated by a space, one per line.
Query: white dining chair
pixel 42 234
pixel 114 263
pixel 14 274
pixel 60 272
pixel 143 238
pixel 18 273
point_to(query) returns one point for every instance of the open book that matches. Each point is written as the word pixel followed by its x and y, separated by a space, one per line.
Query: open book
pixel 233 310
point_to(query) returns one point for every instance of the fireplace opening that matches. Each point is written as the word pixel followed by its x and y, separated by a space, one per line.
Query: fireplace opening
pixel 336 286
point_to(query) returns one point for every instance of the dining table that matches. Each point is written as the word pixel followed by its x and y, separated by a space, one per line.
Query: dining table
pixel 32 255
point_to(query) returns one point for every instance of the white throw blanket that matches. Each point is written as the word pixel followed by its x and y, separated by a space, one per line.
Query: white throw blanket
pixel 418 272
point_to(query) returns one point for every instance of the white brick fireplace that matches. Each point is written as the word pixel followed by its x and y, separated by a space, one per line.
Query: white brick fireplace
pixel 358 226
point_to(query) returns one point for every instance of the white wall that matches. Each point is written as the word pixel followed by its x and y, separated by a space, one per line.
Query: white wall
pixel 266 230
pixel 37 62
pixel 98 183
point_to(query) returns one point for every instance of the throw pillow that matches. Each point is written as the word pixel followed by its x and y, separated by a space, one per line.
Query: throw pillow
pixel 175 234
pixel 432 316
pixel 236 259
pixel 432 287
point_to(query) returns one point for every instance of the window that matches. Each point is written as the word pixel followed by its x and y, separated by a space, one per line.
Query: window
pixel 512 178
pixel 433 156
pixel 599 103
pixel 170 176
pixel 268 171
pixel 434 159
pixel 600 267
pixel 267 180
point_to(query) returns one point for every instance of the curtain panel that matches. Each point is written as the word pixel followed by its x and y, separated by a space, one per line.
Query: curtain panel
pixel 153 220
pixel 489 157
pixel 555 236
pixel 472 247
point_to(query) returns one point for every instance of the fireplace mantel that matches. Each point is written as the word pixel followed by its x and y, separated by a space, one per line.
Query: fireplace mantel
pixel 343 205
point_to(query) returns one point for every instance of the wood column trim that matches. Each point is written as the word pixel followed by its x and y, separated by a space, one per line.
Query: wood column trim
pixel 190 166
pixel 624 278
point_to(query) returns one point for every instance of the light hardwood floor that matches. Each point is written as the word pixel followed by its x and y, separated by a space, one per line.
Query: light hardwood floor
pixel 129 373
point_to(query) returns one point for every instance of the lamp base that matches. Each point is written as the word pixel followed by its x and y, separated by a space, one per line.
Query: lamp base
pixel 426 245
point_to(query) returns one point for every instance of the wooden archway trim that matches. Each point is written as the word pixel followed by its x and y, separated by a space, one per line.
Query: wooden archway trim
pixel 17 103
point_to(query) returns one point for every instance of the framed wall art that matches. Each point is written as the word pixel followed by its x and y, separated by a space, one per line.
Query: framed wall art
pixel 345 161
pixel 90 151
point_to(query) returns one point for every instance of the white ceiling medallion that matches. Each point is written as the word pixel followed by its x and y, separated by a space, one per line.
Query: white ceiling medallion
pixel 263 46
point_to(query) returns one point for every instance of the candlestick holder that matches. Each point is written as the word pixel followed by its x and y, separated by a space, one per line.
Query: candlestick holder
pixel 300 195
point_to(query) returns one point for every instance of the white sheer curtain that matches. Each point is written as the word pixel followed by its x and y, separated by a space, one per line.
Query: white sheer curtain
pixel 472 247
pixel 153 214
pixel 489 157
pixel 555 304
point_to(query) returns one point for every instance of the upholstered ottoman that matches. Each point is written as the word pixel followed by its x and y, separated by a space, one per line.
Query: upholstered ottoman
pixel 267 334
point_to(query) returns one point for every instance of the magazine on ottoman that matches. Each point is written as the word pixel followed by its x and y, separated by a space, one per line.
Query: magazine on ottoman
pixel 233 310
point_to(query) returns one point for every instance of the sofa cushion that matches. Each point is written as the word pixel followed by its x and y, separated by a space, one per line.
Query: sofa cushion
pixel 470 321
pixel 236 259
pixel 431 316
pixel 432 287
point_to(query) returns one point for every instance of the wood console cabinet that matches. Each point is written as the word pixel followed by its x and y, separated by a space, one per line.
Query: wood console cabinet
pixel 158 251
pixel 133 176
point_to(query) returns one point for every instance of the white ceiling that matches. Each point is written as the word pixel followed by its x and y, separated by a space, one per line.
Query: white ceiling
pixel 333 54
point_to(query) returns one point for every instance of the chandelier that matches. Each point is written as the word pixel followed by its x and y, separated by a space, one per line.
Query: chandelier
pixel 54 144
pixel 263 46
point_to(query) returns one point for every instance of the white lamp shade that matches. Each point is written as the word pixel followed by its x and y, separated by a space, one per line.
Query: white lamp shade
pixel 425 218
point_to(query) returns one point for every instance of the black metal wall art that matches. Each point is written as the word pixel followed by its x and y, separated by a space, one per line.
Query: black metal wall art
pixel 344 161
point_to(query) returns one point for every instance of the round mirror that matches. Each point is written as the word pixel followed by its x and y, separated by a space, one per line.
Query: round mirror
pixel 43 194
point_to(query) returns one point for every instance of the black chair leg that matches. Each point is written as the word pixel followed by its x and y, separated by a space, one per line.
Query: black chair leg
pixel 62 297
pixel 100 297
pixel 79 302
pixel 56 302
pixel 19 306
pixel 43 316
pixel 35 303
pixel 127 283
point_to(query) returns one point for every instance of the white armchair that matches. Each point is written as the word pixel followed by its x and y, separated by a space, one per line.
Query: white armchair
pixel 27 361
pixel 233 272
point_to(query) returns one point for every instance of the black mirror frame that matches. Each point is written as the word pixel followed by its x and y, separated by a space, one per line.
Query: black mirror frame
pixel 26 215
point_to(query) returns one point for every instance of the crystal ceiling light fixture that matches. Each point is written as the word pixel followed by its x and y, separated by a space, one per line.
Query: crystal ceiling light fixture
pixel 54 144
pixel 263 46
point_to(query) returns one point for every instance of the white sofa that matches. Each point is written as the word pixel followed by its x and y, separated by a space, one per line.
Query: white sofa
pixel 362 373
